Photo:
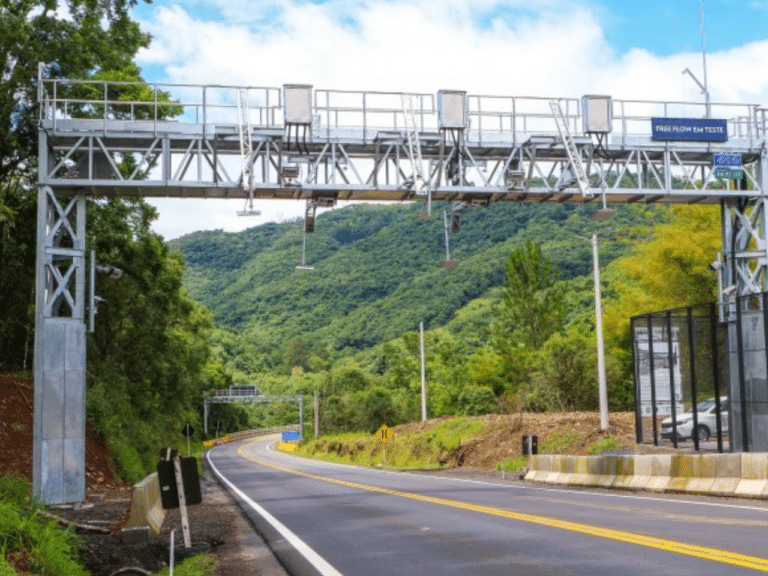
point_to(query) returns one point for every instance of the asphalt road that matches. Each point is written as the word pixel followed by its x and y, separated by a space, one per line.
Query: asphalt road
pixel 331 519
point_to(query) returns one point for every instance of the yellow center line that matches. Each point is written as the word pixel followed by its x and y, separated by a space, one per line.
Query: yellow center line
pixel 713 554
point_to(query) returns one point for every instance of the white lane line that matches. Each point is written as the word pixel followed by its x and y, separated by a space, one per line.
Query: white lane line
pixel 527 486
pixel 317 561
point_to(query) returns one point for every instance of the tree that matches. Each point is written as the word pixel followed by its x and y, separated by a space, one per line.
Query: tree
pixel 17 274
pixel 476 400
pixel 672 269
pixel 668 271
pixel 533 306
pixel 566 377
pixel 149 359
pixel 296 355
pixel 82 39
pixel 74 39
pixel 376 409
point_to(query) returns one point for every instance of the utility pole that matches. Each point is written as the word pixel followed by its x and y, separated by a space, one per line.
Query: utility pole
pixel 603 388
pixel 423 377
pixel 317 414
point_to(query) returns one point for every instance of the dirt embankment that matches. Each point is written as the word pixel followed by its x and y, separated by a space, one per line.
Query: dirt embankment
pixel 16 411
pixel 480 442
pixel 503 435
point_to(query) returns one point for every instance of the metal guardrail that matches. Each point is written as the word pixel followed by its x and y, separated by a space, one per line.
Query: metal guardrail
pixel 249 433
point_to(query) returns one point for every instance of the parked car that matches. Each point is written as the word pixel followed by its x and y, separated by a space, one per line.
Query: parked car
pixel 707 421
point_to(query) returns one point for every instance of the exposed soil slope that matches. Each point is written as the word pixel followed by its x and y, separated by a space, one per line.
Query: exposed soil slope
pixel 503 436
pixel 16 396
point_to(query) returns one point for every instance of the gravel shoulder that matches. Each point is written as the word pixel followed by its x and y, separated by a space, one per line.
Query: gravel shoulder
pixel 217 522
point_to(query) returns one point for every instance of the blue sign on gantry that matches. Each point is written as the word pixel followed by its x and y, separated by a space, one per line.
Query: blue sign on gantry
pixel 690 129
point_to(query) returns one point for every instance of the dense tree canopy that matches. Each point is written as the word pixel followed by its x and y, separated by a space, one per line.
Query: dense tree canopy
pixel 149 359
pixel 534 300
pixel 73 39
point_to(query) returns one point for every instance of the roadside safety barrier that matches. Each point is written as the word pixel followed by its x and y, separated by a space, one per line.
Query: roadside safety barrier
pixel 721 474
pixel 247 434
pixel 146 507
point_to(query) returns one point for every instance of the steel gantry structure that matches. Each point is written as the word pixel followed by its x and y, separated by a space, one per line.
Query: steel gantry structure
pixel 323 146
pixel 248 394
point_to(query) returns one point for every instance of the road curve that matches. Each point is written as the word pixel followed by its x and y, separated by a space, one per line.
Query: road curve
pixel 330 520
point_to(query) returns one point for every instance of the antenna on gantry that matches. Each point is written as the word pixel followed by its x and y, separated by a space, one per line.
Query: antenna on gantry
pixel 244 131
pixel 309 226
pixel 449 224
pixel 303 265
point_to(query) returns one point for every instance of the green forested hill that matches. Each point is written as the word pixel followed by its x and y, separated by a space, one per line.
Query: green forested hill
pixel 378 268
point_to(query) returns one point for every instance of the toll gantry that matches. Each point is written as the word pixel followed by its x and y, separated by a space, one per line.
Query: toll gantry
pixel 322 146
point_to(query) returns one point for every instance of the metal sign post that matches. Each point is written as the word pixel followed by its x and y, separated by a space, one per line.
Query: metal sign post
pixel 182 503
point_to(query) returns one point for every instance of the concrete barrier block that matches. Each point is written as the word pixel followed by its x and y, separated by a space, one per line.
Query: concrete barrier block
pixel 681 472
pixel 539 467
pixel 727 474
pixel 643 471
pixel 146 507
pixel 609 466
pixel 625 471
pixel 594 470
pixel 703 473
pixel 580 472
pixel 754 475
pixel 661 468
pixel 565 466
pixel 556 470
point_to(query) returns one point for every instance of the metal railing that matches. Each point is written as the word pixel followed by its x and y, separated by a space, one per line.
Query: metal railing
pixel 372 111
pixel 359 114
pixel 491 117
pixel 206 105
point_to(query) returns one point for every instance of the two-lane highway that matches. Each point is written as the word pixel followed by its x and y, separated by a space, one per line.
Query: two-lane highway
pixel 331 519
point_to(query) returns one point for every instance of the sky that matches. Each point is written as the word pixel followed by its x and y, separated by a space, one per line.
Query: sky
pixel 553 48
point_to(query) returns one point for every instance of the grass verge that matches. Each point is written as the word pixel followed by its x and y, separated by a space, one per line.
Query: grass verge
pixel 560 442
pixel 607 444
pixel 513 464
pixel 29 542
pixel 426 449
pixel 198 565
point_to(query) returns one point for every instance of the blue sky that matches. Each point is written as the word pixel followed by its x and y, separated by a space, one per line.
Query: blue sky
pixel 662 28
pixel 627 49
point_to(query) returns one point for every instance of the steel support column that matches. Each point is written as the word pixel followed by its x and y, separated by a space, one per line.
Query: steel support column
pixel 58 473
pixel 745 263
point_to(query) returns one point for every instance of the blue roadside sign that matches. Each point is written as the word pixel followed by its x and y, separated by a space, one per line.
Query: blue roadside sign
pixel 690 129
pixel 728 166
pixel 290 436
pixel 727 160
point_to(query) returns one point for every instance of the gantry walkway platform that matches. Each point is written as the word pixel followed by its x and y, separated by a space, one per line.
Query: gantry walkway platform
pixel 353 145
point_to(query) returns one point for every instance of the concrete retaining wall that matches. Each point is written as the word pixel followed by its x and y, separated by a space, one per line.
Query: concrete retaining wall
pixel 722 474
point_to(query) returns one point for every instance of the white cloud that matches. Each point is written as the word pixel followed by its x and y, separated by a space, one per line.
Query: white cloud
pixel 483 46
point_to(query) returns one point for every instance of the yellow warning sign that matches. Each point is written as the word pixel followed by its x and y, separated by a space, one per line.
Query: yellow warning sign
pixel 384 433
